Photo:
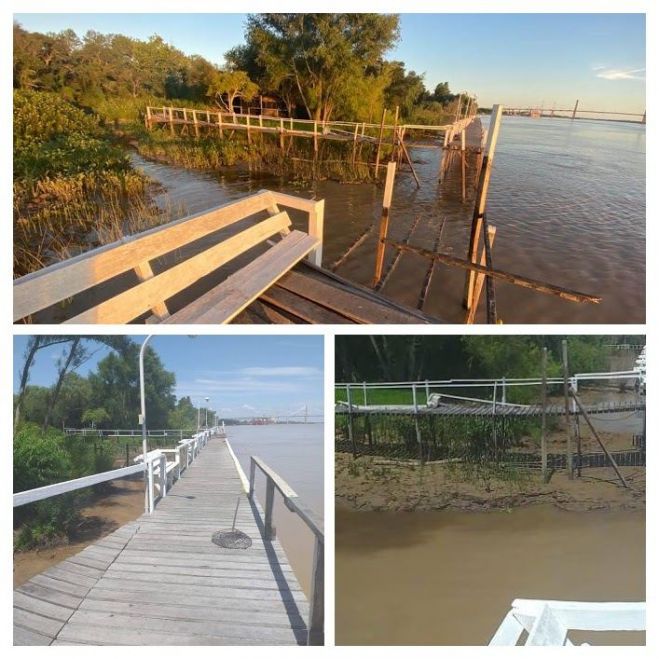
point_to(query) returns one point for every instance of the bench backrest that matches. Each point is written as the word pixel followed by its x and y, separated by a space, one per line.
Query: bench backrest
pixel 58 282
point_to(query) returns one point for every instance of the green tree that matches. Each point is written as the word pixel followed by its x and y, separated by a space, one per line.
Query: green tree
pixel 405 88
pixel 96 418
pixel 321 54
pixel 225 87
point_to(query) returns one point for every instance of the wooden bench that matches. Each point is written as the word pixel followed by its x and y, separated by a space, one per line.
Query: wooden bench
pixel 129 264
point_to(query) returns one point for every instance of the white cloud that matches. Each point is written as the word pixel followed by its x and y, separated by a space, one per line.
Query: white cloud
pixel 619 74
pixel 280 371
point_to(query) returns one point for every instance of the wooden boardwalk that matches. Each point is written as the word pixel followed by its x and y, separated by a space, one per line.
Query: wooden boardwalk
pixel 488 409
pixel 161 581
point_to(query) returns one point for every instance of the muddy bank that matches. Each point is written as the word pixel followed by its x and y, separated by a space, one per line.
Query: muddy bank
pixel 375 484
pixel 122 502
pixel 448 578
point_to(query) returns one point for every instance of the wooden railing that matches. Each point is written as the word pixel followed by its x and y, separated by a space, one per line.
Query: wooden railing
pixel 315 632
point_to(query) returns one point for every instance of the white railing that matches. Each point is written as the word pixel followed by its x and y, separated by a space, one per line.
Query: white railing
pixel 158 471
pixel 127 432
pixel 548 622
pixel 499 386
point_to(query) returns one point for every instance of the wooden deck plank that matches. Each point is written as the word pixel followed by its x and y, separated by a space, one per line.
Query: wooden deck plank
pixel 222 303
pixel 163 582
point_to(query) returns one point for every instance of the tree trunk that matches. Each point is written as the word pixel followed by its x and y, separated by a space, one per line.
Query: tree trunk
pixel 25 374
pixel 60 380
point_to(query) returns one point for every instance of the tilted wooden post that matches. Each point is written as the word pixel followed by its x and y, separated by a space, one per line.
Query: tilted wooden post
pixel 481 199
pixel 480 279
pixel 610 458
pixel 384 222
pixel 568 421
pixel 463 153
pixel 543 436
pixel 574 112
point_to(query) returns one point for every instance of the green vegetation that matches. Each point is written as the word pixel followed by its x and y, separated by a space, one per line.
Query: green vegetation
pixel 73 184
pixel 108 397
pixel 79 100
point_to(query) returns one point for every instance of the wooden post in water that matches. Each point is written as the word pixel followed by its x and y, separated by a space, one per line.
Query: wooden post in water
pixel 171 121
pixel 543 435
pixel 480 279
pixel 219 124
pixel 377 153
pixel 384 222
pixel 281 133
pixel 394 135
pixel 568 422
pixel 463 154
pixel 249 135
pixel 574 112
pixel 315 137
pixel 481 199
pixel 196 123
pixel 315 229
pixel 147 119
pixel 354 145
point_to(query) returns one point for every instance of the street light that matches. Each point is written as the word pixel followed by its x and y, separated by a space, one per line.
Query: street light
pixel 143 416
pixel 206 424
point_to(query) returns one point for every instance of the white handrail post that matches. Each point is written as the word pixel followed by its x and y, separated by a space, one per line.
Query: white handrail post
pixel 163 475
pixel 364 389
pixel 503 389
pixel 427 390
pixel 150 486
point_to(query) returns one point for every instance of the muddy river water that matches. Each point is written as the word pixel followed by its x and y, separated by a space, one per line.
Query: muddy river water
pixel 567 198
pixel 449 578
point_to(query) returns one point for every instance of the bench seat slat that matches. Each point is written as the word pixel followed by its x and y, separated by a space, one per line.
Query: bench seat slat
pixel 224 302
pixel 137 300
pixel 41 289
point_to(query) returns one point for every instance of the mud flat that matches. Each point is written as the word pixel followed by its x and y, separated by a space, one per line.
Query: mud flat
pixel 376 484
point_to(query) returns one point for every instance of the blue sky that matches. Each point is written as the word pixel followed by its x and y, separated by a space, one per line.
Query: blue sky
pixel 515 59
pixel 242 375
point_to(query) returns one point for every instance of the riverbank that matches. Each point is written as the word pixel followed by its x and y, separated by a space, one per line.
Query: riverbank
pixel 122 501
pixel 376 484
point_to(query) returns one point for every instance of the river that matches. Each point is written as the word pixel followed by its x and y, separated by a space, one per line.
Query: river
pixel 295 452
pixel 448 578
pixel 567 198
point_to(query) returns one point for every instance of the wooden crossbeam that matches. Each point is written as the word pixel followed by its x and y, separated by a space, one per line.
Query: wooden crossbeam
pixel 508 277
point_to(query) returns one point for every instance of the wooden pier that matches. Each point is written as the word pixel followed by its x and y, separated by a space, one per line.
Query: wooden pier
pixel 161 580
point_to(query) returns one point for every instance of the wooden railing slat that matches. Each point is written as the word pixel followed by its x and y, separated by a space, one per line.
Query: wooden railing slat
pixel 137 300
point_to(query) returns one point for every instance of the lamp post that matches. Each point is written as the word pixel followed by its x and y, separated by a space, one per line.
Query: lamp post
pixel 143 417
pixel 206 423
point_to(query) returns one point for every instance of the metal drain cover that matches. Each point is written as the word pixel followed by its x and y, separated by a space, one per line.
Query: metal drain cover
pixel 232 539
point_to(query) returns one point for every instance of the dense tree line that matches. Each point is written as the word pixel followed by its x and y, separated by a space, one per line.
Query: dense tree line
pixel 108 397
pixel 322 66
pixel 406 358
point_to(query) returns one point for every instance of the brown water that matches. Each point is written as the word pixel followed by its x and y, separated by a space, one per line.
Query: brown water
pixel 295 452
pixel 445 578
pixel 567 198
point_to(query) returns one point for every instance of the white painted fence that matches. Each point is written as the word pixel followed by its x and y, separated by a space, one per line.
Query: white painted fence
pixel 548 622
